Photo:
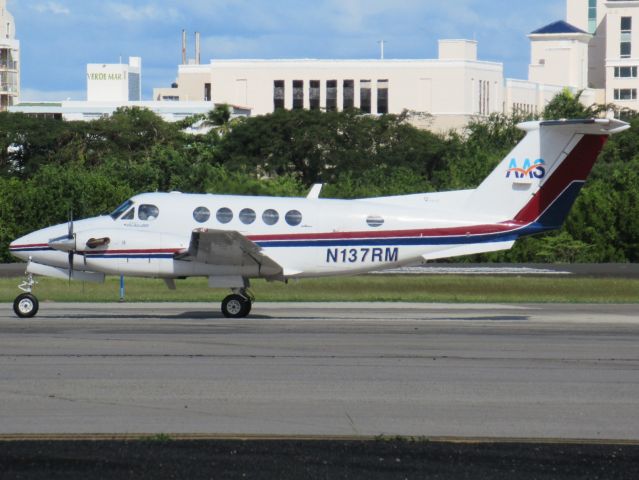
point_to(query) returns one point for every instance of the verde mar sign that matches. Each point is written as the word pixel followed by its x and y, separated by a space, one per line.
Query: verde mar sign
pixel 106 76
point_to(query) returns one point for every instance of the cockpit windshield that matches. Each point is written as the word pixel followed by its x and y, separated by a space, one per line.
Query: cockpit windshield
pixel 121 209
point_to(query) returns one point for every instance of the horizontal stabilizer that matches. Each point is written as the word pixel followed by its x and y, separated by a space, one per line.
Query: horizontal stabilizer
pixel 471 249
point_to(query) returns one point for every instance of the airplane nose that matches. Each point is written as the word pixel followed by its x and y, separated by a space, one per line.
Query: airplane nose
pixel 20 248
pixel 26 246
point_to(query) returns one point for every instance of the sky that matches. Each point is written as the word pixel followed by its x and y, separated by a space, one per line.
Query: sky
pixel 59 37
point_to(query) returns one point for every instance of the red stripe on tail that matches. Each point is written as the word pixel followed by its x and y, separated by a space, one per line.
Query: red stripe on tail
pixel 576 167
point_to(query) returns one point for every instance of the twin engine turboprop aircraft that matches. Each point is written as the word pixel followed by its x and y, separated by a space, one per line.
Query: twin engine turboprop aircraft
pixel 232 239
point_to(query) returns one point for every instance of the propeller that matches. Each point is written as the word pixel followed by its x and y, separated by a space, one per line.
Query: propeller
pixel 71 236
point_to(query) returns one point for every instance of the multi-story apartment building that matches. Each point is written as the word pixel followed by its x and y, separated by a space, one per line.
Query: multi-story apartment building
pixel 9 59
pixel 614 48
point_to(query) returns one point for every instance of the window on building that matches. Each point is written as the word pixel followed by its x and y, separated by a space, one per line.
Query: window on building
pixel 592 16
pixel 314 95
pixel 382 96
pixel 484 97
pixel 298 94
pixel 626 34
pixel 365 96
pixel 207 92
pixel 349 94
pixel 625 93
pixel 331 95
pixel 625 72
pixel 279 92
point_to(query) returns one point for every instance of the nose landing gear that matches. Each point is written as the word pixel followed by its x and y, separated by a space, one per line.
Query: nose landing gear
pixel 238 304
pixel 26 304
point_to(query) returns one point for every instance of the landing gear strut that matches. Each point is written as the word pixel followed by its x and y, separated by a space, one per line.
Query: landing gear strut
pixel 238 304
pixel 26 304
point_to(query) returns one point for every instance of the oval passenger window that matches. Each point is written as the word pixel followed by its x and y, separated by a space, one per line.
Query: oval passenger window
pixel 247 216
pixel 375 221
pixel 201 214
pixel 224 215
pixel 270 217
pixel 293 218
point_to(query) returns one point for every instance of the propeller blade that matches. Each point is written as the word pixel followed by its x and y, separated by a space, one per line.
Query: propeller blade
pixel 70 235
pixel 70 265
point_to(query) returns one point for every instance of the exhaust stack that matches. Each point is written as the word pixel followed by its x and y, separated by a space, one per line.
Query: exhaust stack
pixel 183 47
pixel 197 48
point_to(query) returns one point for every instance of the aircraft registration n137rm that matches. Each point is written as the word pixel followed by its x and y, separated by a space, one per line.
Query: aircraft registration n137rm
pixel 232 239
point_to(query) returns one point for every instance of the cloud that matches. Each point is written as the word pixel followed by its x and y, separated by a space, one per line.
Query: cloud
pixel 143 12
pixel 52 7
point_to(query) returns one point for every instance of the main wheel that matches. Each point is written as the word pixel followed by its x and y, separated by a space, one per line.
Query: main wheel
pixel 236 306
pixel 25 305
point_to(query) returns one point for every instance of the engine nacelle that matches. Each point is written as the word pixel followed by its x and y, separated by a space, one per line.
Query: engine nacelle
pixel 118 250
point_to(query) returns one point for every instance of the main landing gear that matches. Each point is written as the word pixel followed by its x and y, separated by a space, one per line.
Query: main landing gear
pixel 26 304
pixel 238 304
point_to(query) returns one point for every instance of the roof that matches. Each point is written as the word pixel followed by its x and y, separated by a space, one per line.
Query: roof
pixel 558 27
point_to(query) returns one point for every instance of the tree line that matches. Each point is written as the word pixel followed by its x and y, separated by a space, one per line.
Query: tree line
pixel 49 168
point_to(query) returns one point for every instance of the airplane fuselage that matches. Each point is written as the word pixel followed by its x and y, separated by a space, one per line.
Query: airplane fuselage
pixel 307 237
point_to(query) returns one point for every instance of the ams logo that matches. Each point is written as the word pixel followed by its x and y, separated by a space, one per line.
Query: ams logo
pixel 536 169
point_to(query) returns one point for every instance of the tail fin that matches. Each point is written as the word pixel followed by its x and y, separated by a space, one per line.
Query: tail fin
pixel 540 178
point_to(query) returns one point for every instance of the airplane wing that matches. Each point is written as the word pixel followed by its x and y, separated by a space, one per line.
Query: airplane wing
pixel 231 248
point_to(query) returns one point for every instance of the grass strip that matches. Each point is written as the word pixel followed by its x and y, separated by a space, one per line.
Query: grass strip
pixel 370 288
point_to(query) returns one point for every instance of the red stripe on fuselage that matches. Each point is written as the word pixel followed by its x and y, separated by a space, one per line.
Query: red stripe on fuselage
pixel 428 232
pixel 33 245
pixel 576 167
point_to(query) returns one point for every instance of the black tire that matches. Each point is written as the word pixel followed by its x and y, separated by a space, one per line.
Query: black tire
pixel 26 305
pixel 236 306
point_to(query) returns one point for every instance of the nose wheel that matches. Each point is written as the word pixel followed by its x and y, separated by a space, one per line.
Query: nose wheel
pixel 26 305
pixel 237 305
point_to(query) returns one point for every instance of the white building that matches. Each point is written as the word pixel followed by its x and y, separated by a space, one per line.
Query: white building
pixel 115 82
pixel 614 47
pixel 9 59
pixel 111 86
pixel 452 89
pixel 87 111
pixel 472 87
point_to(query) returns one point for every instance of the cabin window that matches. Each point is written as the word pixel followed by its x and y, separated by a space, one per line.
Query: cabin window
pixel 247 216
pixel 375 221
pixel 224 215
pixel 129 215
pixel 121 209
pixel 293 218
pixel 148 212
pixel 270 217
pixel 201 214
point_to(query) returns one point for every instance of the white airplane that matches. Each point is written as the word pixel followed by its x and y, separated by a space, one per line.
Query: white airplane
pixel 232 239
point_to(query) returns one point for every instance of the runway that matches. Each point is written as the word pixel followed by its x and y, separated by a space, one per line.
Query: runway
pixel 525 371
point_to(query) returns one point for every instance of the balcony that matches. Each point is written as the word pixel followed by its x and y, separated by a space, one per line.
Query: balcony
pixel 4 65
pixel 8 88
